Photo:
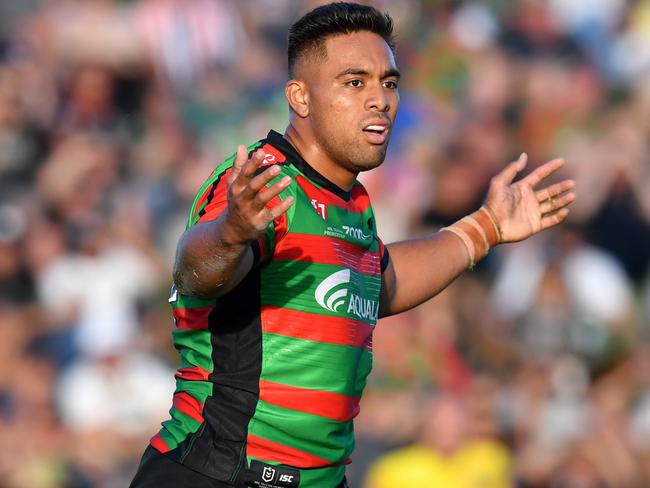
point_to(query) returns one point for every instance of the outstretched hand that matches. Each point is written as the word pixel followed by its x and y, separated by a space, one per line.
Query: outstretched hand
pixel 520 210
pixel 248 212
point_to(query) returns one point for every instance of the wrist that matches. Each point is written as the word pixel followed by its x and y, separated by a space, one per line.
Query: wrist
pixel 479 233
pixel 229 236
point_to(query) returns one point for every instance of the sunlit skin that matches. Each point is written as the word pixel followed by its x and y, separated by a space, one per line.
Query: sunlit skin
pixel 333 99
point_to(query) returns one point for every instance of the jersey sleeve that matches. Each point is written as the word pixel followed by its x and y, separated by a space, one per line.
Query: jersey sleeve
pixel 264 247
pixel 212 200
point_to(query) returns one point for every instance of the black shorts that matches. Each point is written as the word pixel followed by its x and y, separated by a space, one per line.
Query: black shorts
pixel 158 471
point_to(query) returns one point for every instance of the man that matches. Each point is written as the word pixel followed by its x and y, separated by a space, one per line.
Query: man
pixel 447 454
pixel 280 276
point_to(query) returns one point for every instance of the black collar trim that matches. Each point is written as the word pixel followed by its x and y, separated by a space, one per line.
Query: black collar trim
pixel 277 140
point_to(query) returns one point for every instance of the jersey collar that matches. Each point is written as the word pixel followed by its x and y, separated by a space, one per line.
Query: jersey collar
pixel 279 142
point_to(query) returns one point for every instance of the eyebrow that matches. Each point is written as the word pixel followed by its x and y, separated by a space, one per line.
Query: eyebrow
pixel 362 72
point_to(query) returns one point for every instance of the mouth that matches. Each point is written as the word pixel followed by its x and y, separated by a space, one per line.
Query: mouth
pixel 377 133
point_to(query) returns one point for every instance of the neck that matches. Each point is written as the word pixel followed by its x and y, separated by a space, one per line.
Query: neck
pixel 303 140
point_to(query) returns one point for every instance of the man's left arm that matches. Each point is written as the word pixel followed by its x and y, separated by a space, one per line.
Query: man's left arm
pixel 420 268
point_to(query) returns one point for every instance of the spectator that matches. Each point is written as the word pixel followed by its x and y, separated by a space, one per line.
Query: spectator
pixel 448 454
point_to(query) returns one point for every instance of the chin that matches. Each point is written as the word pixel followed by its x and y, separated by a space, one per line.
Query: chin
pixel 370 165
pixel 361 156
pixel 373 159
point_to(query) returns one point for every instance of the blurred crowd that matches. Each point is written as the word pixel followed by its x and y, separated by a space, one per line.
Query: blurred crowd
pixel 112 113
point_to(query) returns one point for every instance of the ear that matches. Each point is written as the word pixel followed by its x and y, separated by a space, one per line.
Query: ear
pixel 298 97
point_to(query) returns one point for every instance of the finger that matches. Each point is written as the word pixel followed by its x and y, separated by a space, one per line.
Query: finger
pixel 280 208
pixel 554 190
pixel 265 196
pixel 247 171
pixel 543 171
pixel 554 204
pixel 268 214
pixel 257 183
pixel 553 219
pixel 240 159
pixel 508 174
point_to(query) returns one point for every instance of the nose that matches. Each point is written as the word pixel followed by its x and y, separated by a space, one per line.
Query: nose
pixel 378 99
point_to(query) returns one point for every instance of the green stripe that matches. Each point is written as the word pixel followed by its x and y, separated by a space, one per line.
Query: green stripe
pixel 293 284
pixel 341 223
pixel 269 233
pixel 295 429
pixel 179 426
pixel 200 390
pixel 195 348
pixel 186 301
pixel 169 439
pixel 315 365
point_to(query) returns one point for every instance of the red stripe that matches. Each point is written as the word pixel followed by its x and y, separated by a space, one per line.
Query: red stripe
pixel 219 199
pixel 200 202
pixel 314 327
pixel 322 249
pixel 192 318
pixel 321 196
pixel 322 403
pixel 272 155
pixel 360 198
pixel 266 450
pixel 279 224
pixel 194 373
pixel 159 443
pixel 279 229
pixel 184 402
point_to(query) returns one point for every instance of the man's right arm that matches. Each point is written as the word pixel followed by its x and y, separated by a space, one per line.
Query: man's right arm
pixel 213 257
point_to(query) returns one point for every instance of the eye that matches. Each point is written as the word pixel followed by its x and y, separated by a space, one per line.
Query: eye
pixel 355 83
pixel 391 85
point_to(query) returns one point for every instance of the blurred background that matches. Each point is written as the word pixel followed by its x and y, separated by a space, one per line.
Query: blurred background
pixel 532 370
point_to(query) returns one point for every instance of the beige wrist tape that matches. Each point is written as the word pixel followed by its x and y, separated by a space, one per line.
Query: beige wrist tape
pixel 479 232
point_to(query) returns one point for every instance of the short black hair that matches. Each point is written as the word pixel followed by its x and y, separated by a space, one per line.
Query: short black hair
pixel 309 33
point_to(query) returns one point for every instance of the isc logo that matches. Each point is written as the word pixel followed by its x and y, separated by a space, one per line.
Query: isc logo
pixel 275 477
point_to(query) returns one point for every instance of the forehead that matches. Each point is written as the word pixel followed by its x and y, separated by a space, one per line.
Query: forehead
pixel 364 50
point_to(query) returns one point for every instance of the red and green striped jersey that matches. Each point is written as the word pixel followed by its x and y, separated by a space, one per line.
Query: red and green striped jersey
pixel 273 370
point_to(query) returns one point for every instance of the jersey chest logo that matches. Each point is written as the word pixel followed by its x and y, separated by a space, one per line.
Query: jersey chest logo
pixel 335 290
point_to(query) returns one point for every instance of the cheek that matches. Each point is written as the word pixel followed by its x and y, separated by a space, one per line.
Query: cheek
pixel 343 106
pixel 343 118
pixel 339 105
pixel 333 113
